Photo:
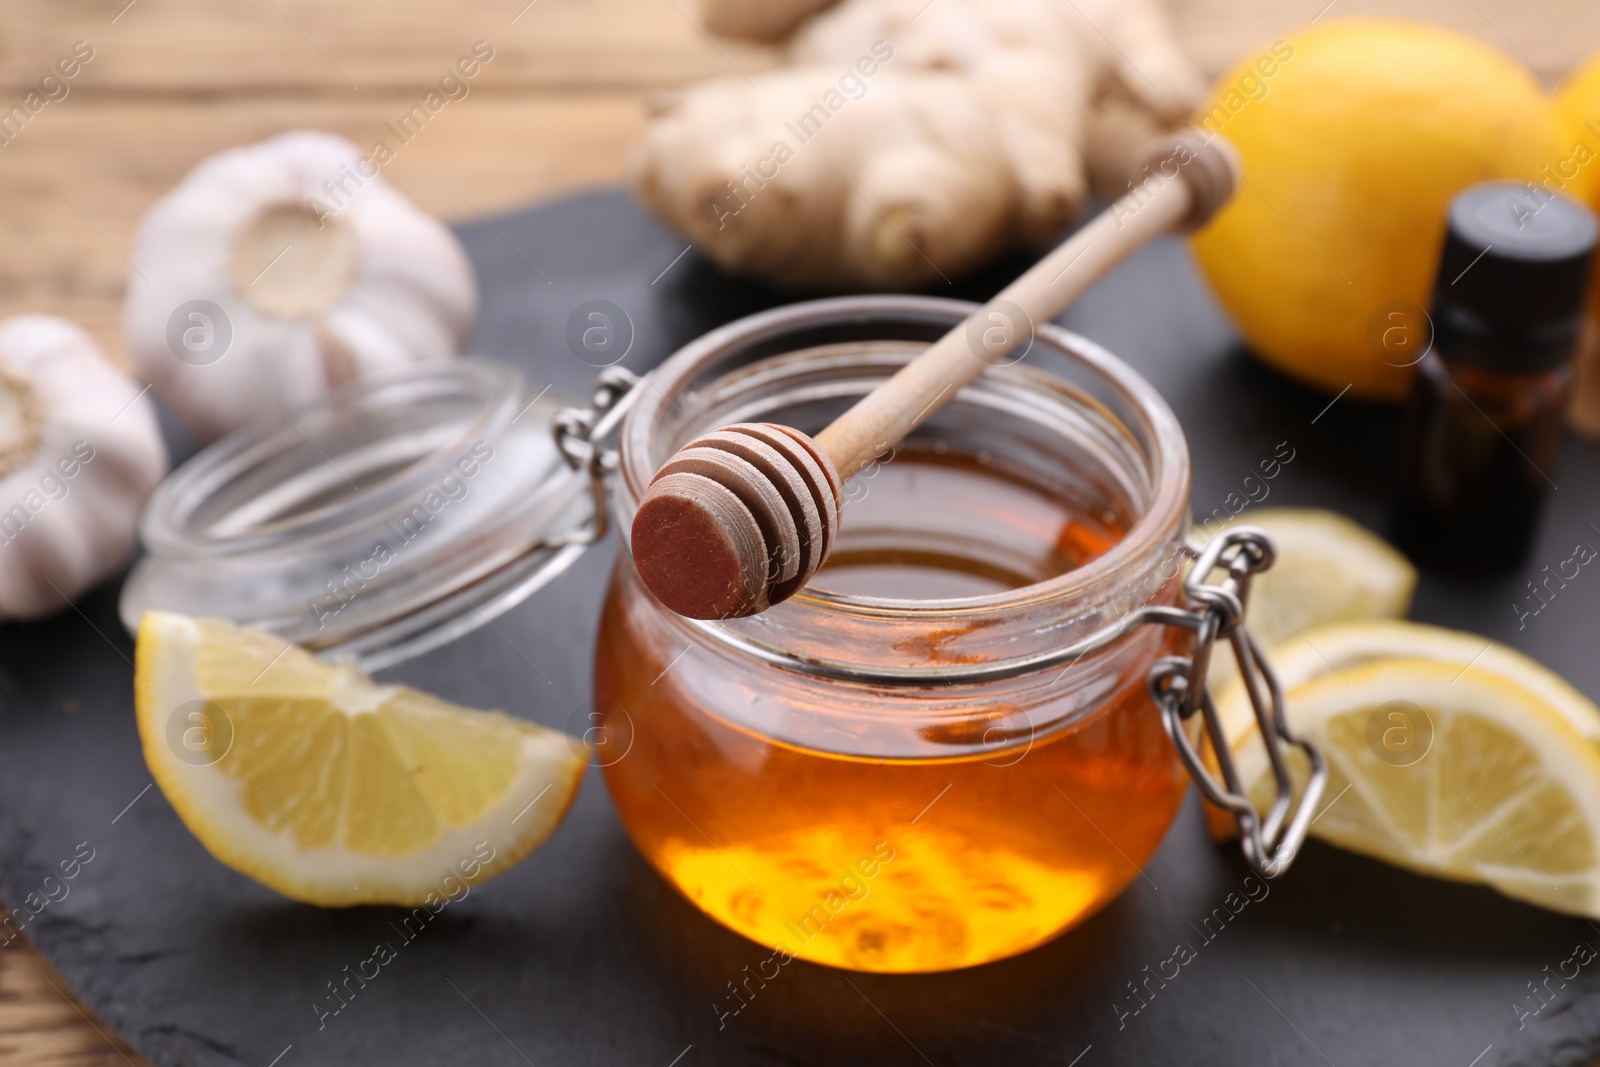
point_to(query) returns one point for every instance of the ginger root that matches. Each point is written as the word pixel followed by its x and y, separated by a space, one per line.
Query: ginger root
pixel 911 141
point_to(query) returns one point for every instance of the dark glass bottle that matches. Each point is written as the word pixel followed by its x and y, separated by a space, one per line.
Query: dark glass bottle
pixel 1485 423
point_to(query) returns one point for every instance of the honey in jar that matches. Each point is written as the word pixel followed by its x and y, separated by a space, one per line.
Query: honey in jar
pixel 978 837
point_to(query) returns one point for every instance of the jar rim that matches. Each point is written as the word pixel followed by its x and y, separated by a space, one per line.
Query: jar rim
pixel 1158 525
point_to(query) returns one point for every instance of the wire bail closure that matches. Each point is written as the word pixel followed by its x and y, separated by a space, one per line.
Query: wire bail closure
pixel 1179 685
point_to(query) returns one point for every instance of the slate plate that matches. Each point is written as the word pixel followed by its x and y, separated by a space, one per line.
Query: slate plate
pixel 582 955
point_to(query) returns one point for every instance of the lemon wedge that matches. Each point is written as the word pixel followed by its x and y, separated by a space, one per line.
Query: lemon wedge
pixel 1464 775
pixel 332 789
pixel 1330 650
pixel 1329 569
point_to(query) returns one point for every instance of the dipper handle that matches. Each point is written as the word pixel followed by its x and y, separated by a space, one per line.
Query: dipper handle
pixel 1188 182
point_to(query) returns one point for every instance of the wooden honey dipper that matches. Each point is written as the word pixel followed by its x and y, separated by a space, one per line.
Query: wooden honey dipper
pixel 741 518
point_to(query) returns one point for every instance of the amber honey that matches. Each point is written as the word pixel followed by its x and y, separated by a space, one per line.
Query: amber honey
pixel 909 831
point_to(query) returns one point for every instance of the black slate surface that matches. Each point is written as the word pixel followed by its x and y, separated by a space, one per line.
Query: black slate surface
pixel 582 955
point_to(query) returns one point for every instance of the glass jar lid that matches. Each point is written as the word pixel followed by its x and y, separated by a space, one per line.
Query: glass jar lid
pixel 389 518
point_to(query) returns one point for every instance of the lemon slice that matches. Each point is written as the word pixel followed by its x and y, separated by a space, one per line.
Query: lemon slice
pixel 1329 650
pixel 1329 569
pixel 1466 776
pixel 332 789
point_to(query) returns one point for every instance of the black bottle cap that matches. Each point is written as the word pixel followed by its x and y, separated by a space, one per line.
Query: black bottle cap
pixel 1512 277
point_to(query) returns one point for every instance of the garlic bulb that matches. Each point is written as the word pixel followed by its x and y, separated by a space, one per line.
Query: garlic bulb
pixel 279 271
pixel 79 453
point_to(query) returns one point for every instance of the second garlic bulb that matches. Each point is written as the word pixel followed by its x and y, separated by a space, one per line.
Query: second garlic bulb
pixel 80 452
pixel 277 272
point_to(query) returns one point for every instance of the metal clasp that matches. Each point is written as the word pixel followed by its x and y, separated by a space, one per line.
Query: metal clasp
pixel 1213 611
pixel 580 435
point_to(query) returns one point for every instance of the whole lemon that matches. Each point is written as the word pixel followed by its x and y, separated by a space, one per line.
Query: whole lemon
pixel 1355 135
pixel 1580 101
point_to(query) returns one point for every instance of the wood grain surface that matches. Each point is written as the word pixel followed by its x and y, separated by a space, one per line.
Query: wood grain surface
pixel 556 109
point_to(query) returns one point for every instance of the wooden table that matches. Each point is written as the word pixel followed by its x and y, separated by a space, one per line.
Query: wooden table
pixel 556 109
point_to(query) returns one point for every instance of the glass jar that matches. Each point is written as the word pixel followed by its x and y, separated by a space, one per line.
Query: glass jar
pixel 884 782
